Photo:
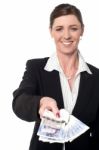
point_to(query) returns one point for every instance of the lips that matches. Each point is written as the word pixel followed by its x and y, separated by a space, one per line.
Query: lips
pixel 67 43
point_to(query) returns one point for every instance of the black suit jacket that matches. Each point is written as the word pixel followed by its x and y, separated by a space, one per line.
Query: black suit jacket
pixel 37 83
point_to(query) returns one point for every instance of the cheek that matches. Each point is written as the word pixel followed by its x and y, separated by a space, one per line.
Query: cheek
pixel 56 36
pixel 56 39
pixel 77 37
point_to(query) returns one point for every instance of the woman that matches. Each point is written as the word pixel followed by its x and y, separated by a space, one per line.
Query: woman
pixel 64 80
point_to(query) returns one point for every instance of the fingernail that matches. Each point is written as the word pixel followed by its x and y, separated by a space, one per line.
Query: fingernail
pixel 57 114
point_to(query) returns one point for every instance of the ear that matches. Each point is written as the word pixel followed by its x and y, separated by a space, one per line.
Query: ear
pixel 82 31
pixel 50 30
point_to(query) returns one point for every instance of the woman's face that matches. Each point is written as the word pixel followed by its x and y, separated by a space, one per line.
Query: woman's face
pixel 66 31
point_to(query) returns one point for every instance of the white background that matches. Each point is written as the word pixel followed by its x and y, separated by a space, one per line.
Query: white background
pixel 24 34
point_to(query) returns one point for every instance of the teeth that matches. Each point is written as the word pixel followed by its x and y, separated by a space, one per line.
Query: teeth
pixel 67 43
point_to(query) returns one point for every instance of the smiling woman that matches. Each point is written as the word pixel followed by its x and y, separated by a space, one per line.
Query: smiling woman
pixel 63 80
pixel 66 31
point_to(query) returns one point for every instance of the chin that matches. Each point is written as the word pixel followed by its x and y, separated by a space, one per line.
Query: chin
pixel 70 52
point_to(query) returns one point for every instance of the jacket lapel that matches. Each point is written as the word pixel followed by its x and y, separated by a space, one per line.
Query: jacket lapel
pixel 85 89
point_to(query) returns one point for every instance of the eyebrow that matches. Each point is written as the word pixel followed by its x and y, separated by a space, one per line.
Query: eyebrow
pixel 58 26
pixel 74 25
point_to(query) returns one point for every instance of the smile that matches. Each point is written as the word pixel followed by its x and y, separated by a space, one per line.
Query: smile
pixel 67 43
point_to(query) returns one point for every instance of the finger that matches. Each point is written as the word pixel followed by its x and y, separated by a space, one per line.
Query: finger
pixel 56 112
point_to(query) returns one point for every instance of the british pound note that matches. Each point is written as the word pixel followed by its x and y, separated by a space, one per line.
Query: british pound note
pixel 63 129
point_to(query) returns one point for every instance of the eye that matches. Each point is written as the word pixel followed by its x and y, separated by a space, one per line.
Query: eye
pixel 59 29
pixel 74 29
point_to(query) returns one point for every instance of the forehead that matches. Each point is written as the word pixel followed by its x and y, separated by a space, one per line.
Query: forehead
pixel 66 20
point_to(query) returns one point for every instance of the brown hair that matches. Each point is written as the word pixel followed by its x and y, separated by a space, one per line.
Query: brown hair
pixel 65 9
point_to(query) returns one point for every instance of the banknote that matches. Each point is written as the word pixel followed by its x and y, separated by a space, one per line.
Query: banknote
pixel 50 128
pixel 63 129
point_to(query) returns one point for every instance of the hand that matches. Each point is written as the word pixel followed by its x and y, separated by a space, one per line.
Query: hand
pixel 49 104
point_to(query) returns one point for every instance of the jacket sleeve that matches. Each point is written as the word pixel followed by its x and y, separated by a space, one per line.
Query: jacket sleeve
pixel 26 98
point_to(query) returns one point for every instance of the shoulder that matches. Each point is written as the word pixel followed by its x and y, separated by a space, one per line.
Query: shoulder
pixel 94 70
pixel 36 63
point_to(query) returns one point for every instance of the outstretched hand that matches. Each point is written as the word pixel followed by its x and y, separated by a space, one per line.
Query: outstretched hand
pixel 49 104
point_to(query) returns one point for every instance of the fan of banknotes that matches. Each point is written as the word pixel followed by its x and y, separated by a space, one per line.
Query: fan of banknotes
pixel 61 129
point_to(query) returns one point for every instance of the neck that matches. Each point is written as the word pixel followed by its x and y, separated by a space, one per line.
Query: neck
pixel 69 63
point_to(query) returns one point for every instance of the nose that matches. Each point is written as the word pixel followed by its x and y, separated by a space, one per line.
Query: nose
pixel 66 34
